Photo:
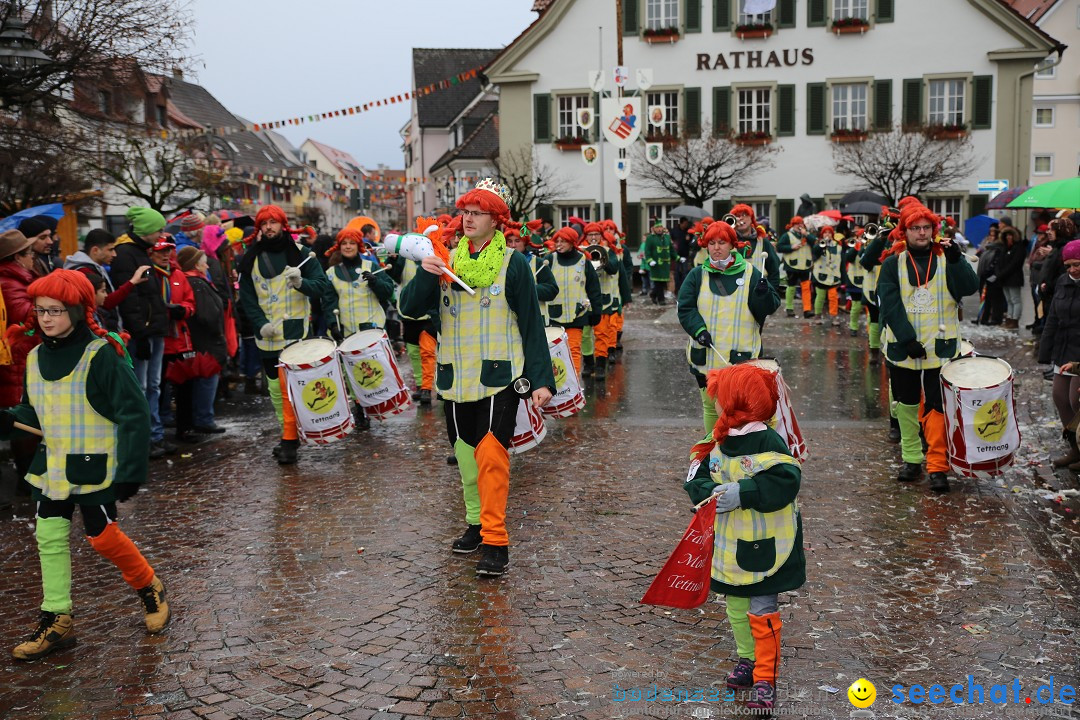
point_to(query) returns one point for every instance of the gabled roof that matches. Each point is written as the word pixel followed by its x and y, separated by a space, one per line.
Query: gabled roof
pixel 430 65
pixel 345 163
pixel 541 5
pixel 1033 10
pixel 482 143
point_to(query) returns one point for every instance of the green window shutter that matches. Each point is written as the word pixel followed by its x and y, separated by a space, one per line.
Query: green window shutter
pixel 721 110
pixel 542 118
pixel 546 211
pixel 883 105
pixel 982 102
pixel 693 16
pixel 977 205
pixel 721 20
pixel 913 94
pixel 786 15
pixel 720 208
pixel 884 11
pixel 785 210
pixel 785 109
pixel 607 210
pixel 630 17
pixel 632 225
pixel 815 13
pixel 815 108
pixel 692 111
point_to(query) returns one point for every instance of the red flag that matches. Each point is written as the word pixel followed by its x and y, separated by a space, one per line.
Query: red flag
pixel 683 582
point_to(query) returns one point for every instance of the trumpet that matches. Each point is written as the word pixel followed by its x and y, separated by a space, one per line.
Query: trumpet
pixel 729 219
pixel 598 255
pixel 871 231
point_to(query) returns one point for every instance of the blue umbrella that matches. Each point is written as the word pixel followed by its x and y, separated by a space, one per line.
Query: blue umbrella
pixel 976 228
pixel 11 222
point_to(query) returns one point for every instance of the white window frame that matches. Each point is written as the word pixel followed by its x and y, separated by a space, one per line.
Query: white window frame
pixel 762 115
pixel 661 14
pixel 581 211
pixel 671 100
pixel 944 205
pixel 843 9
pixel 1053 116
pixel 1049 73
pixel 1035 164
pixel 661 211
pixel 574 101
pixel 765 18
pixel 849 116
pixel 948 113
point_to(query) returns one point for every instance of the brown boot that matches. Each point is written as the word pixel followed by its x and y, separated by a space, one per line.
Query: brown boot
pixel 157 609
pixel 1070 457
pixel 54 631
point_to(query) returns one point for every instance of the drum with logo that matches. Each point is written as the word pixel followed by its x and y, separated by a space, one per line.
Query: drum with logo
pixel 784 421
pixel 368 362
pixel 980 415
pixel 569 396
pixel 316 391
pixel 529 428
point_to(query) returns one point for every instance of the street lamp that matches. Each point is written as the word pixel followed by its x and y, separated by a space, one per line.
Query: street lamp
pixel 22 65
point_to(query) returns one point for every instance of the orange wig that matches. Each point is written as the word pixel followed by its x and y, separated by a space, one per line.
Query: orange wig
pixel 72 288
pixel 747 393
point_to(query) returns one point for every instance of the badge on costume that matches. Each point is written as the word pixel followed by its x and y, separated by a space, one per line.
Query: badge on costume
pixel 693 470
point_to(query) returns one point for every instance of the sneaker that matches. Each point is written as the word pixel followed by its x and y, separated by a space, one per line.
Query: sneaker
pixel 742 675
pixel 468 542
pixel 910 472
pixel 939 482
pixel 762 696
pixel 157 609
pixel 425 397
pixel 836 322
pixel 287 456
pixel 495 560
pixel 54 631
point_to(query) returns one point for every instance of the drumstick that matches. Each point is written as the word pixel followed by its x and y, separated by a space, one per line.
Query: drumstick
pixel 720 355
pixel 27 428
pixel 455 278
pixel 764 256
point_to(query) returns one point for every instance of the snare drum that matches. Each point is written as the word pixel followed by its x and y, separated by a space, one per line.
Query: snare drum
pixel 980 415
pixel 316 391
pixel 373 375
pixel 967 349
pixel 529 428
pixel 569 396
pixel 784 421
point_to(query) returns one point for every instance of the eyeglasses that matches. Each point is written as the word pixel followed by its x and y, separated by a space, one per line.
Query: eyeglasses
pixel 922 228
pixel 473 213
pixel 51 312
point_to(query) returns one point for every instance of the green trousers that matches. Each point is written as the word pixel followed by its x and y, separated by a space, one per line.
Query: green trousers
pixel 910 444
pixel 737 609
pixel 466 458
pixel 414 360
pixel 856 313
pixel 54 552
pixel 708 412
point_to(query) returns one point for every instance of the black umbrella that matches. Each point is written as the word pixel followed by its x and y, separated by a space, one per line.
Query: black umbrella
pixel 864 195
pixel 862 207
pixel 689 211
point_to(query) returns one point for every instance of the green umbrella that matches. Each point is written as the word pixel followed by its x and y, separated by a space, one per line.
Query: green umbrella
pixel 1055 194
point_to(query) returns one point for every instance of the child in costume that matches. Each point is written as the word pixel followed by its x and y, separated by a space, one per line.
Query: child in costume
pixel 758 550
pixel 82 393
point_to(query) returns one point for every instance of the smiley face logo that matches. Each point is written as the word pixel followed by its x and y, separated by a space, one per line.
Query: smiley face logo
pixel 862 693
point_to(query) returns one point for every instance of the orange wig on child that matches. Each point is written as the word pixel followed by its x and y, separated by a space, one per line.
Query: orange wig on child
pixel 746 393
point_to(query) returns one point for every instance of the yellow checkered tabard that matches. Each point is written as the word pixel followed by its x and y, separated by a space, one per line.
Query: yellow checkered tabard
pixel 571 282
pixel 749 526
pixel 75 434
pixel 800 259
pixel 407 275
pixel 728 320
pixel 279 303
pixel 479 330
pixel 356 302
pixel 609 289
pixel 940 311
pixel 857 273
pixel 538 264
pixel 827 266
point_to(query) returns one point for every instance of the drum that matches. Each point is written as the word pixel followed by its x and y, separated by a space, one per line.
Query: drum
pixel 980 415
pixel 373 375
pixel 316 391
pixel 529 429
pixel 967 349
pixel 569 396
pixel 784 421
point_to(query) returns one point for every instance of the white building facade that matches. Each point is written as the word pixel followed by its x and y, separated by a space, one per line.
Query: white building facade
pixel 1055 136
pixel 918 63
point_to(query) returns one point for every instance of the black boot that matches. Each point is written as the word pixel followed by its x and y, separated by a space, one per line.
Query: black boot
pixel 468 542
pixel 808 313
pixel 875 356
pixel 287 456
pixel 894 431
pixel 495 560
pixel 910 472
pixel 425 397
pixel 587 366
pixel 939 482
pixel 251 386
pixel 363 422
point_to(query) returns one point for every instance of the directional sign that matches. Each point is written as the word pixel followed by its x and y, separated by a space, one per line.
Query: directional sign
pixel 993 186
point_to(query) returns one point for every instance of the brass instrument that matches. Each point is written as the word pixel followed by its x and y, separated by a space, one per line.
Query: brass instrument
pixel 729 219
pixel 871 231
pixel 597 255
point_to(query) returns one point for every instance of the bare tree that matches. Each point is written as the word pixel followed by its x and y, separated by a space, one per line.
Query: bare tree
pixel 36 162
pixel 701 168
pixel 531 182
pixel 899 162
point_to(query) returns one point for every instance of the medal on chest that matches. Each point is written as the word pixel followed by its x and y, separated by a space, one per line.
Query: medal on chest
pixel 921 299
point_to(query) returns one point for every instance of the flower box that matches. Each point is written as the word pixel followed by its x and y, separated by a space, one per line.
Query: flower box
pixel 753 32
pixel 946 132
pixel 848 136
pixel 753 139
pixel 848 26
pixel 655 37
pixel 569 143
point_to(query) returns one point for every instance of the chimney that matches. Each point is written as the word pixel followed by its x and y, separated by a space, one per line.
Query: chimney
pixel 177 73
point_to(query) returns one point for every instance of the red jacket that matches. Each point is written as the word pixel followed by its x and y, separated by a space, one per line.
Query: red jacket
pixel 178 339
pixel 14 279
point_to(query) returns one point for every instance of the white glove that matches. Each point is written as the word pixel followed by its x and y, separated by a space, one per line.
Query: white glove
pixel 727 497
pixel 652 263
pixel 267 331
pixel 293 277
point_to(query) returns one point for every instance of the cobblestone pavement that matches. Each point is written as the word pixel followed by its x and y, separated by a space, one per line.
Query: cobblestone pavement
pixel 326 589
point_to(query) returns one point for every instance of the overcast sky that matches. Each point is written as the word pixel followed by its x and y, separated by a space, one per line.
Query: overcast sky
pixel 276 59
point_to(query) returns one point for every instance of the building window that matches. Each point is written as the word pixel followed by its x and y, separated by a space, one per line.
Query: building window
pixel 1045 73
pixel 568 124
pixel 764 18
pixel 755 110
pixel 1044 117
pixel 566 212
pixel 661 14
pixel 1044 165
pixel 851 9
pixel 670 102
pixel 162 116
pixel 947 102
pixel 849 107
pixel 662 213
pixel 947 207
pixel 762 209
pixel 105 104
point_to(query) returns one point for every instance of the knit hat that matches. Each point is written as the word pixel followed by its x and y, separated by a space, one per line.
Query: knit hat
pixel 145 221
pixel 191 222
pixel 13 241
pixel 31 227
pixel 1071 251
pixel 188 257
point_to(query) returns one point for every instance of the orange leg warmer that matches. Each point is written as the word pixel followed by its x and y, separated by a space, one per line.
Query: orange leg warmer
pixel 937 451
pixel 117 547
pixel 605 334
pixel 834 302
pixel 288 415
pixel 427 361
pixel 573 339
pixel 493 484
pixel 807 296
pixel 766 631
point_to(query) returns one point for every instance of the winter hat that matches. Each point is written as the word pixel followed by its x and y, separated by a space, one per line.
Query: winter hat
pixel 13 241
pixel 192 222
pixel 145 221
pixel 1071 251
pixel 31 227
pixel 188 258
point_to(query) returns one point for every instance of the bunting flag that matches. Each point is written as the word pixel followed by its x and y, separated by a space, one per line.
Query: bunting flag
pixel 329 114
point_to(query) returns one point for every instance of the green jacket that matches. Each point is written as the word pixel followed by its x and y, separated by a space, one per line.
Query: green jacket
pixel 767 491
pixel 382 285
pixel 658 249
pixel 960 278
pixel 592 291
pixel 546 287
pixel 760 305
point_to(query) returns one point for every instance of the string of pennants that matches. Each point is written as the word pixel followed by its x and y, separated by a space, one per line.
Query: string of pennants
pixel 331 114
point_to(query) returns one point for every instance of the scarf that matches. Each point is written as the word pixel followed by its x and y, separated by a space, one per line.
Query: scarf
pixel 163 275
pixel 481 271
pixel 737 266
